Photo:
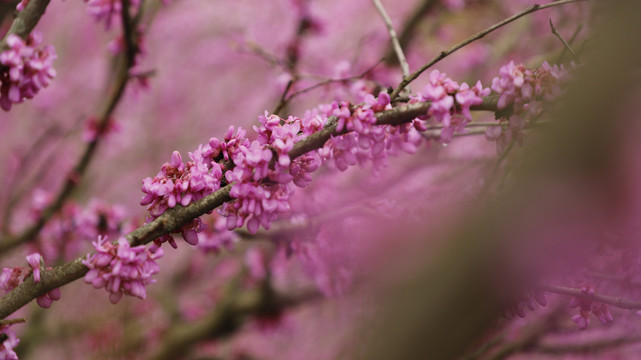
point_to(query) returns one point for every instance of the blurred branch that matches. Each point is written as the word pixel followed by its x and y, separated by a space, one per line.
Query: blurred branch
pixel 7 8
pixel 572 39
pixel 453 300
pixel 619 302
pixel 443 54
pixel 529 336
pixel 330 81
pixel 104 117
pixel 592 347
pixel 228 314
pixel 563 41
pixel 129 34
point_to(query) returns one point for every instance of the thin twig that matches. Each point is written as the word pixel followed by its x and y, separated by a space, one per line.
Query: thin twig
pixel 5 322
pixel 407 32
pixel 405 68
pixel 565 43
pixel 330 81
pixel 443 54
pixel 619 302
pixel 283 98
pixel 572 39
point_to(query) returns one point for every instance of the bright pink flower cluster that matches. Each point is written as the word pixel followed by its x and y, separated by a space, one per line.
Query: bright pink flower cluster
pixel 259 198
pixel 451 102
pixel 121 269
pixel 8 344
pixel 24 69
pixel 587 307
pixel 182 183
pixel 523 89
pixel 262 171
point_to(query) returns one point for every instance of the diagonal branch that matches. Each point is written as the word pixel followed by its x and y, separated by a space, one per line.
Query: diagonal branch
pixel 174 219
pixel 26 20
pixel 407 32
pixel 619 302
pixel 443 54
pixel 398 50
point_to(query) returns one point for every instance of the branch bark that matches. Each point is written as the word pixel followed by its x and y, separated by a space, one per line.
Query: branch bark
pixel 173 219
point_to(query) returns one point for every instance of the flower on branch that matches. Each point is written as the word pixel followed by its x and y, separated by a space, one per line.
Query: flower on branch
pixel 121 269
pixel 25 69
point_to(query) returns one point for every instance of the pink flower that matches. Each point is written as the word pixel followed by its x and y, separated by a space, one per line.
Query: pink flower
pixel 35 261
pixel 27 69
pixel 121 269
pixel 450 102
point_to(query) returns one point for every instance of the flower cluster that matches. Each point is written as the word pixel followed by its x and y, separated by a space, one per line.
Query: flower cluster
pixel 180 183
pixel 587 307
pixel 451 102
pixel 121 269
pixel 524 90
pixel 24 69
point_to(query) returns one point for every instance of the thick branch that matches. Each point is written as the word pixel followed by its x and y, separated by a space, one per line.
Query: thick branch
pixel 173 219
pixel 26 20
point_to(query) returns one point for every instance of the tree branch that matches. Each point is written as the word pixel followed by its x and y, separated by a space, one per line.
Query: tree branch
pixel 443 54
pixel 398 50
pixel 225 318
pixel 174 219
pixel 26 20
pixel 619 302
pixel 407 33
